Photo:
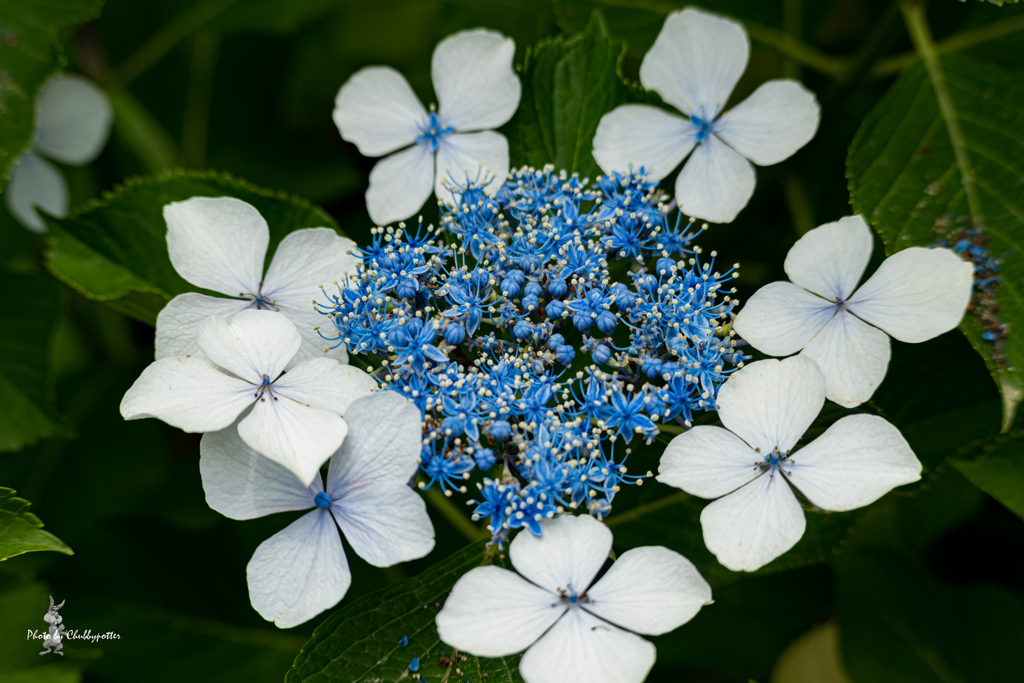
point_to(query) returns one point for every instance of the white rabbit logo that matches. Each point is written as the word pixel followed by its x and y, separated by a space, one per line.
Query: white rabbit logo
pixel 52 640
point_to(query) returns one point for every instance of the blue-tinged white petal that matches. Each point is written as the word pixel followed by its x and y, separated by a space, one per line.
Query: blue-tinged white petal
pixel 178 322
pixel 476 86
pixel 696 61
pixel 831 259
pixel 853 356
pixel 854 463
pixel 708 462
pixel 74 120
pixel 299 572
pixel 242 484
pixel 36 183
pixel 326 384
pixel 779 118
pixel 377 110
pixel 639 135
pixel 781 318
pixel 255 345
pixel 400 184
pixel 716 182
pixel 566 556
pixel 385 524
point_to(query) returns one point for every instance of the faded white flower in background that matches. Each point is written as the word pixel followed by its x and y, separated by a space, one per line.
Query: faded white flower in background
pixel 572 631
pixel 220 244
pixel 295 417
pixel 73 118
pixel 302 570
pixel 694 65
pixel 750 464
pixel 915 295
pixel 477 90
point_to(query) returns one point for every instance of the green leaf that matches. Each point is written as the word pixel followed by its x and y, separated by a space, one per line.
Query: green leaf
pixel 28 320
pixel 29 53
pixel 898 625
pixel 21 531
pixel 115 250
pixel 999 471
pixel 360 643
pixel 568 85
pixel 907 177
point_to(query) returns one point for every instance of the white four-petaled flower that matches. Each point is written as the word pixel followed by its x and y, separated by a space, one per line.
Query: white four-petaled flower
pixel 220 244
pixel 295 417
pixel 301 570
pixel 573 630
pixel 477 90
pixel 748 466
pixel 915 295
pixel 694 65
pixel 72 126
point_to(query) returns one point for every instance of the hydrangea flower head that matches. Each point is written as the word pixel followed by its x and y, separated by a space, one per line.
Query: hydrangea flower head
pixel 72 125
pixel 694 65
pixel 750 465
pixel 573 628
pixel 915 295
pixel 477 91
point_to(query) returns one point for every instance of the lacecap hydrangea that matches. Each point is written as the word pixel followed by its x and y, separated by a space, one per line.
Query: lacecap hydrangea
pixel 539 332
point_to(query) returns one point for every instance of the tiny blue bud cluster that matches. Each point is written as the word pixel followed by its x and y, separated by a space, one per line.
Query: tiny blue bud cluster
pixel 540 331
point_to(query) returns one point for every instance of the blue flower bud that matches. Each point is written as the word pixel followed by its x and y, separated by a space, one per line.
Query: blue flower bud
pixel 557 288
pixel 554 341
pixel 565 354
pixel 500 429
pixel 533 289
pixel 554 309
pixel 582 321
pixel 652 367
pixel 529 301
pixel 485 458
pixel 606 322
pixel 398 336
pixel 624 299
pixel 522 330
pixel 455 334
pixel 479 278
pixel 509 287
pixel 406 289
pixel 517 276
pixel 601 354
pixel 648 283
pixel 664 266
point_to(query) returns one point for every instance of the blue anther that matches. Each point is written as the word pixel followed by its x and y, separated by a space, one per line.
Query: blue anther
pixel 404 642
pixel 414 665
pixel 431 132
pixel 703 127
pixel 322 500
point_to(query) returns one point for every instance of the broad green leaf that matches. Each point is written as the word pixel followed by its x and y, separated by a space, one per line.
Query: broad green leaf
pixel 897 624
pixel 999 471
pixel 115 250
pixel 21 531
pixel 28 320
pixel 812 658
pixel 907 178
pixel 360 642
pixel 29 53
pixel 568 85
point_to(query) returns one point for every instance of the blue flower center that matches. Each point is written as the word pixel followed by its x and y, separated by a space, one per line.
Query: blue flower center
pixel 322 500
pixel 432 130
pixel 840 303
pixel 703 127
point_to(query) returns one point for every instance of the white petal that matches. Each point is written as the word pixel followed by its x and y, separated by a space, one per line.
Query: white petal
pixel 474 81
pixel 292 434
pixel 492 612
pixel 696 61
pixel 178 322
pixel 305 262
pixel 916 294
pixel 568 554
pixel 377 110
pixel 779 118
pixel 217 243
pixel 242 484
pixel 254 345
pixel 581 647
pixel 187 393
pixel 382 447
pixel 781 318
pixel 636 135
pixel 326 384
pixel 854 463
pixel 462 156
pixel 35 182
pixel 770 403
pixel 716 182
pixel 385 525
pixel 74 120
pixel 853 356
pixel 752 526
pixel 650 590
pixel 400 184
pixel 708 462
pixel 299 572
pixel 831 259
